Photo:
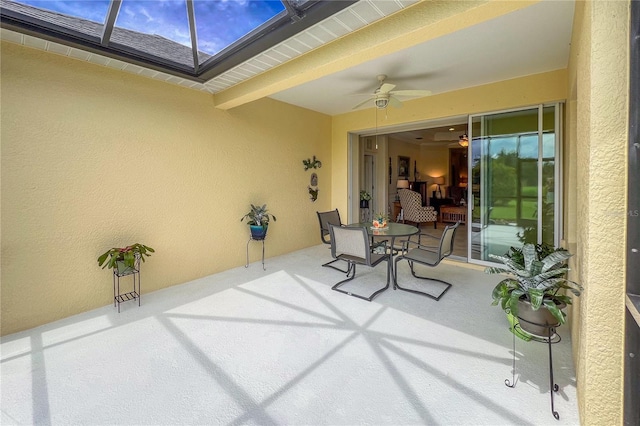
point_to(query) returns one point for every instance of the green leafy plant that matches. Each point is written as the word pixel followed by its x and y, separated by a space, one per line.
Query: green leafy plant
pixel 258 215
pixel 381 217
pixel 127 255
pixel 364 196
pixel 538 273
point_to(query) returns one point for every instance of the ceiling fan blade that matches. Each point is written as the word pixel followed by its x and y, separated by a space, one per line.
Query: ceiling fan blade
pixel 385 88
pixel 395 102
pixel 362 103
pixel 411 92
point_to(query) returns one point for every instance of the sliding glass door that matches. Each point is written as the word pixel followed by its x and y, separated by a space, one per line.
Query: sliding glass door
pixel 514 164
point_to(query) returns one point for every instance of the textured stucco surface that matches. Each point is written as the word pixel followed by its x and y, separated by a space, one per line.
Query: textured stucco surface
pixel 93 158
pixel 598 77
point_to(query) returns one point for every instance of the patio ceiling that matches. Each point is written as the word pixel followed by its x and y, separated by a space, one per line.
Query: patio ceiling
pixel 437 46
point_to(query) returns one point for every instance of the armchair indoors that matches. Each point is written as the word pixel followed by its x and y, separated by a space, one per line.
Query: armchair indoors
pixel 413 211
pixel 428 256
pixel 325 218
pixel 351 244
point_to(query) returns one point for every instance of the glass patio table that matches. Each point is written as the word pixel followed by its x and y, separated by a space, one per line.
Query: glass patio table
pixel 392 231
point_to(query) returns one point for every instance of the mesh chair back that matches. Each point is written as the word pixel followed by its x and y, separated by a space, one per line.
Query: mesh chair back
pixel 446 242
pixel 350 242
pixel 325 218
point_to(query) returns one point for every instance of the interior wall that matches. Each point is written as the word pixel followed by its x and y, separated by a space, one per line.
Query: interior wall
pixel 94 158
pixel 598 80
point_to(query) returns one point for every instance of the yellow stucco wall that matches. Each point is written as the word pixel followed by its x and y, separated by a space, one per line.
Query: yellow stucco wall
pixel 94 158
pixel 595 196
pixel 519 92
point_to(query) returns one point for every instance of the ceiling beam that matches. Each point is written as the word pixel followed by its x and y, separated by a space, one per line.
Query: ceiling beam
pixel 416 24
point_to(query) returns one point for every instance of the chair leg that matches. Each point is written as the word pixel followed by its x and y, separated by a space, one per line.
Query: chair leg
pixel 397 286
pixel 329 265
pixel 369 298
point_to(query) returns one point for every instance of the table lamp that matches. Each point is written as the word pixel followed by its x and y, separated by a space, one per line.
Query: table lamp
pixel 439 181
pixel 401 184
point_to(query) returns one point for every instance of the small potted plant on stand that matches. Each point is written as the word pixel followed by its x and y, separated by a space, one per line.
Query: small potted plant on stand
pixel 365 197
pixel 533 292
pixel 123 259
pixel 258 220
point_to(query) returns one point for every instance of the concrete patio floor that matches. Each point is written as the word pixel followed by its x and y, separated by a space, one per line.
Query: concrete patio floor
pixel 247 346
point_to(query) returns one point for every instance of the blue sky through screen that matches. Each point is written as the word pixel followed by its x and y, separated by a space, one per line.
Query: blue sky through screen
pixel 219 23
pixel 91 10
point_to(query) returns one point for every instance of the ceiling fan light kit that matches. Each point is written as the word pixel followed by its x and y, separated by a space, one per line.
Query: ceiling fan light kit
pixel 384 95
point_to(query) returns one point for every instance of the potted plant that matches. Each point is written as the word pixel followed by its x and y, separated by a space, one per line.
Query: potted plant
pixel 258 220
pixel 124 259
pixel 380 220
pixel 365 197
pixel 533 291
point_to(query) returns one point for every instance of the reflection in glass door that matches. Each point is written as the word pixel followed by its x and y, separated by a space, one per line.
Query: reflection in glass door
pixel 514 169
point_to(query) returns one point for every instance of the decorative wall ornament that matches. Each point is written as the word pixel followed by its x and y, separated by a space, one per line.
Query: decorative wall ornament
pixel 313 193
pixel 314 179
pixel 312 164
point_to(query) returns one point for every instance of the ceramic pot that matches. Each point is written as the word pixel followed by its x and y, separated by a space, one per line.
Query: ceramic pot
pixel 364 204
pixel 258 232
pixel 537 322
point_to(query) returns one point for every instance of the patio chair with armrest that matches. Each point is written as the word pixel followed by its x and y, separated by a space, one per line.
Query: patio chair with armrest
pixel 351 244
pixel 426 255
pixel 325 218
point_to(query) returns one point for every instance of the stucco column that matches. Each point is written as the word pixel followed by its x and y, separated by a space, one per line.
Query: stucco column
pixel 601 77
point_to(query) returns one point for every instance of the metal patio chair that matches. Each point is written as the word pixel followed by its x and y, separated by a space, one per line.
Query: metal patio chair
pixel 426 255
pixel 351 244
pixel 325 218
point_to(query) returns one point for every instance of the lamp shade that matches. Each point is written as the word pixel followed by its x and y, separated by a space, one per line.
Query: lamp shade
pixel 439 180
pixel 402 184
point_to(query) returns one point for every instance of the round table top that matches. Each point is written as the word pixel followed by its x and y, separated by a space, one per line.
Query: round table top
pixel 392 230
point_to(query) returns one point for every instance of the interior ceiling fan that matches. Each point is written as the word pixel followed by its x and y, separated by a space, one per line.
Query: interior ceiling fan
pixel 385 95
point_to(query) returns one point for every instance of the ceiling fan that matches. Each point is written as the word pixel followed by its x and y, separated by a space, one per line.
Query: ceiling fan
pixel 385 95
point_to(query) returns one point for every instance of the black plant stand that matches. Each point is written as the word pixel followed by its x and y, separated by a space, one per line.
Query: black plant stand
pixel 551 339
pixel 262 241
pixel 118 297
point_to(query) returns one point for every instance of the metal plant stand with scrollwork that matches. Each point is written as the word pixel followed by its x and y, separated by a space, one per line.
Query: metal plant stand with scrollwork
pixel 552 338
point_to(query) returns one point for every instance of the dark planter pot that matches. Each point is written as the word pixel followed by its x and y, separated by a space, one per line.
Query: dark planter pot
pixel 364 204
pixel 537 322
pixel 258 232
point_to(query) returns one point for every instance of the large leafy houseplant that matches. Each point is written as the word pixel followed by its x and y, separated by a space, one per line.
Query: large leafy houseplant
pixel 538 276
pixel 258 216
pixel 125 255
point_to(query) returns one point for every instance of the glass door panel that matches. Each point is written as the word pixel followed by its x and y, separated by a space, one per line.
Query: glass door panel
pixel 512 163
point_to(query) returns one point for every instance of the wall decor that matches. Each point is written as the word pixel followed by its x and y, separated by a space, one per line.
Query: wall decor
pixel 313 193
pixel 314 179
pixel 403 166
pixel 312 164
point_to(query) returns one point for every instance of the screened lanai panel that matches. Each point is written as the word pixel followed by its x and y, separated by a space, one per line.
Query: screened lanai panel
pixel 220 24
pixel 156 28
pixel 86 17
